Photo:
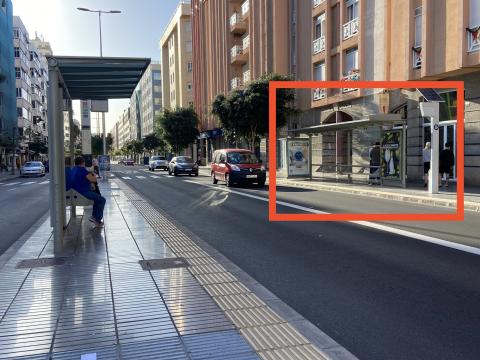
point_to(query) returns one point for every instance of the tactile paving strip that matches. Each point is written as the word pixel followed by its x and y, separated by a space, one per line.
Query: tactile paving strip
pixel 266 332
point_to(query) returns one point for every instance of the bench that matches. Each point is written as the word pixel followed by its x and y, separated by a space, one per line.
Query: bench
pixel 348 170
pixel 74 198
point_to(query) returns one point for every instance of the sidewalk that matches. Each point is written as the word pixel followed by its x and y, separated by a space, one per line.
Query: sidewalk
pixel 8 175
pixel 414 193
pixel 96 301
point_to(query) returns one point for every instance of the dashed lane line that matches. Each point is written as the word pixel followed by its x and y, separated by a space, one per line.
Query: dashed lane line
pixel 28 183
pixel 140 177
pixel 11 184
pixel 126 177
pixel 44 182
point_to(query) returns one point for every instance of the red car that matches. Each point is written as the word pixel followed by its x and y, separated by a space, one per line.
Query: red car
pixel 237 166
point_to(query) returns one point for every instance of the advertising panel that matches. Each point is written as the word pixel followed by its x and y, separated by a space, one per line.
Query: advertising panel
pixel 298 157
pixel 104 162
pixel 391 154
pixel 85 113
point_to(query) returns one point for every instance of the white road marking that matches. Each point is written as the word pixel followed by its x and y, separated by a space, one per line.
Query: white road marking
pixel 28 183
pixel 126 177
pixel 390 229
pixel 141 177
pixel 155 177
pixel 44 182
pixel 11 184
pixel 15 188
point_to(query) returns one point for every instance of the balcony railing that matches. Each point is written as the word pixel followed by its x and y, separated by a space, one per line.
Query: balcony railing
pixel 238 55
pixel 245 8
pixel 246 76
pixel 319 44
pixel 319 93
pixel 246 43
pixel 235 51
pixel 350 29
pixel 352 75
pixel 237 25
pixel 417 57
pixel 473 35
pixel 317 2
pixel 235 83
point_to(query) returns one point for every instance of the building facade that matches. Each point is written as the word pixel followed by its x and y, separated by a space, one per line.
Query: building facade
pixel 31 73
pixel 176 59
pixel 8 119
pixel 151 99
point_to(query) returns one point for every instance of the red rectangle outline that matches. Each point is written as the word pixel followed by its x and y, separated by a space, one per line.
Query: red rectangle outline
pixel 272 193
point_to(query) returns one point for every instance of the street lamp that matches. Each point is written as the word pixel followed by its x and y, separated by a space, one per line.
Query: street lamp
pixel 100 12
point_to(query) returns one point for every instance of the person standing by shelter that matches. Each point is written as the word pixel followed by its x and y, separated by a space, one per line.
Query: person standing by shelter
pixel 374 177
pixel 446 162
pixel 427 155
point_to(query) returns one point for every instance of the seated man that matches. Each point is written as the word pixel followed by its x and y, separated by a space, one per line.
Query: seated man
pixel 82 181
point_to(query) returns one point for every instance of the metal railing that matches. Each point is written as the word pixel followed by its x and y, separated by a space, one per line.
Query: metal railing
pixel 245 7
pixel 317 3
pixel 235 19
pixel 246 42
pixel 246 76
pixel 235 83
pixel 319 44
pixel 353 75
pixel 235 51
pixel 350 29
pixel 319 94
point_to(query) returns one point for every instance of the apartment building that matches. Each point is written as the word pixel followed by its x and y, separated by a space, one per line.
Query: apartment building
pixel 8 119
pixel 151 97
pixel 176 59
pixel 393 40
pixel 236 41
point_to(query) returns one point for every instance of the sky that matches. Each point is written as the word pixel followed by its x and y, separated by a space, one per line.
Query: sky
pixel 133 33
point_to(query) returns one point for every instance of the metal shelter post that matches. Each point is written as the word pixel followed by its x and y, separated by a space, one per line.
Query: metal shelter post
pixel 54 112
pixel 60 149
pixel 432 111
pixel 73 210
pixel 404 154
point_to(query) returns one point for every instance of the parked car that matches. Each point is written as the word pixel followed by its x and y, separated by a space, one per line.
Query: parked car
pixel 128 162
pixel 158 162
pixel 32 168
pixel 237 166
pixel 182 165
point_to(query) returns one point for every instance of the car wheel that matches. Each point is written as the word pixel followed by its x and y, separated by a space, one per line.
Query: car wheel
pixel 196 174
pixel 175 173
pixel 169 172
pixel 214 180
pixel 228 180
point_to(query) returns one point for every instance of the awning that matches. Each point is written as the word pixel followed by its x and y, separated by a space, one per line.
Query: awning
pixel 372 120
pixel 100 78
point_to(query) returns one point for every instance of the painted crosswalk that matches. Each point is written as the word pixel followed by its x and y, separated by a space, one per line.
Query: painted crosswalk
pixel 140 177
pixel 44 182
pixel 126 177
pixel 28 183
pixel 13 183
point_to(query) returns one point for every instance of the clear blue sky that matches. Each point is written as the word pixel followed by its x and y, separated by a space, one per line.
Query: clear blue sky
pixel 135 32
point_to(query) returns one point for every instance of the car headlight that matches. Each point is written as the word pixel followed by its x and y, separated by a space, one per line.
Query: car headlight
pixel 262 168
pixel 235 167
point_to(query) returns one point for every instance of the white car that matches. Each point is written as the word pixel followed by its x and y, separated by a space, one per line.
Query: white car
pixel 32 168
pixel 158 162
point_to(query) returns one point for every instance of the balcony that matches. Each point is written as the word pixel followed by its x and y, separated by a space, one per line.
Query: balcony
pixel 319 94
pixel 237 55
pixel 417 57
pixel 352 75
pixel 473 35
pixel 246 77
pixel 237 25
pixel 350 29
pixel 317 3
pixel 319 45
pixel 245 9
pixel 246 44
pixel 235 83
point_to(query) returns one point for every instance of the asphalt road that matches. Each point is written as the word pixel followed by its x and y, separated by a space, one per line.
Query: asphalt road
pixel 22 202
pixel 379 294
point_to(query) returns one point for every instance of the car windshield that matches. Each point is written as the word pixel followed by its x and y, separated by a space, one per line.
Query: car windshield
pixel 32 164
pixel 184 160
pixel 158 158
pixel 241 158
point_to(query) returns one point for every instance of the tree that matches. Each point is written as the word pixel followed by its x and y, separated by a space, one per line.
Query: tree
pixel 97 145
pixel 109 140
pixel 180 127
pixel 151 142
pixel 244 113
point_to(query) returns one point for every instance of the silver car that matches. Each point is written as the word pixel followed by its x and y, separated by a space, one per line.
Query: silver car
pixel 32 168
pixel 158 162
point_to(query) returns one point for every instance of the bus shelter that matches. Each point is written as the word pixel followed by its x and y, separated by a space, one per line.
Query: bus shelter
pixel 79 78
pixel 297 149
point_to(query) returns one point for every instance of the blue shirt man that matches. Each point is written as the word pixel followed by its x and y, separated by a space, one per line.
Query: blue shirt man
pixel 82 180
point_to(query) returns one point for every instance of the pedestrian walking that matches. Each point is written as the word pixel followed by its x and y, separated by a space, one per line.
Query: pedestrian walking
pixel 427 154
pixel 82 181
pixel 446 162
pixel 95 166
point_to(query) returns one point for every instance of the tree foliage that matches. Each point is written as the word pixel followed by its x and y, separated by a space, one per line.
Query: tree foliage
pixel 179 127
pixel 243 114
pixel 97 145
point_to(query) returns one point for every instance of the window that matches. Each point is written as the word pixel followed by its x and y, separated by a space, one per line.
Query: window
pixel 189 87
pixel 16 52
pixel 189 66
pixel 157 75
pixel 351 60
pixel 418 26
pixel 473 30
pixel 320 26
pixel 16 33
pixel 19 112
pixel 18 92
pixel 188 26
pixel 188 46
pixel 17 72
pixel 319 71
pixel 352 9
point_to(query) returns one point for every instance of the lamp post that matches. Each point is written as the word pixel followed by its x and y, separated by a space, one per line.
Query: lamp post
pixel 100 12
